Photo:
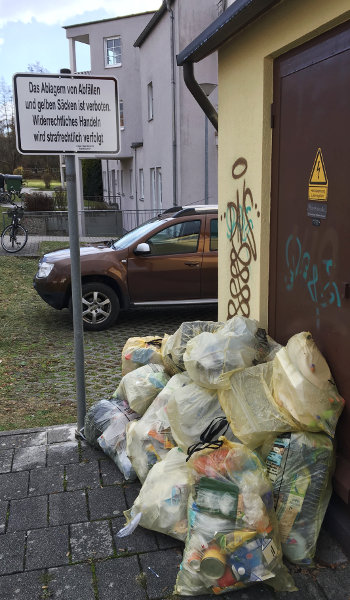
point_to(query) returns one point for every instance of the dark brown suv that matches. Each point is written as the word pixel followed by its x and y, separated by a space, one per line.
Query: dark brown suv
pixel 172 259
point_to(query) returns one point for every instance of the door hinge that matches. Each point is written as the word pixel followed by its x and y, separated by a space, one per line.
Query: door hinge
pixel 272 116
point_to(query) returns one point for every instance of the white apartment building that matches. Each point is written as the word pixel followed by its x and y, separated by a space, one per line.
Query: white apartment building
pixel 168 150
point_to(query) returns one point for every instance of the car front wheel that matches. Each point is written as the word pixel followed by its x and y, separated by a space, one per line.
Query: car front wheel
pixel 100 306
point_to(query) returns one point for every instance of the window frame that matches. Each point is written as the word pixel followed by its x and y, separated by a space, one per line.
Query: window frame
pixel 150 101
pixel 106 40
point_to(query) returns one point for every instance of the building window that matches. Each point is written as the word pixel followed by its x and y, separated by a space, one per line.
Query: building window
pixel 153 188
pixel 113 52
pixel 131 183
pixel 121 114
pixel 159 187
pixel 142 184
pixel 122 183
pixel 156 188
pixel 150 101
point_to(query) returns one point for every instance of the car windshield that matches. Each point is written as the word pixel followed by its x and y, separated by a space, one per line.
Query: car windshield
pixel 137 233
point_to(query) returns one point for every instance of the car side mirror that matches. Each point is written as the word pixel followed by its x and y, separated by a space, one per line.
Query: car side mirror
pixel 142 249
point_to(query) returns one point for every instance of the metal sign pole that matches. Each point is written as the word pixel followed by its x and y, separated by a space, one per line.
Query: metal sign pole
pixel 76 288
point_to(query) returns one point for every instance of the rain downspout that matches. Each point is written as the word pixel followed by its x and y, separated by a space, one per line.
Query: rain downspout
pixel 173 99
pixel 199 95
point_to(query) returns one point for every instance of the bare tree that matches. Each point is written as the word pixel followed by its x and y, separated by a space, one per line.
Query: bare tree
pixel 36 68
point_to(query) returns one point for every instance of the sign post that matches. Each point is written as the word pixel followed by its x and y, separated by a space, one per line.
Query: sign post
pixel 67 114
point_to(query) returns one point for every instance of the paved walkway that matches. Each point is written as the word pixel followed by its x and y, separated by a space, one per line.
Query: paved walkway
pixel 61 504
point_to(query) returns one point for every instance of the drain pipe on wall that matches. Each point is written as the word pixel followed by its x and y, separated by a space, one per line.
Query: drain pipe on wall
pixel 199 95
pixel 173 100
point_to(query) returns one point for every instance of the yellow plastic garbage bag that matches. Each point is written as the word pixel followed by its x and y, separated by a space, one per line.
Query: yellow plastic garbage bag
pixel 210 358
pixel 150 439
pixel 300 467
pixel 304 387
pixel 190 410
pixel 174 345
pixel 232 539
pixel 250 407
pixel 141 386
pixel 162 501
pixel 140 351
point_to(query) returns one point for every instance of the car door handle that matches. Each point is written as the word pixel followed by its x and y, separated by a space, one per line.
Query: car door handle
pixel 192 264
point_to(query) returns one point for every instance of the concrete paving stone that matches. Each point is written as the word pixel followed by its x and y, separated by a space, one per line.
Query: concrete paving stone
pixel 141 540
pixel 29 458
pixel 63 453
pixel 6 457
pixel 47 547
pixel 13 485
pixel 161 569
pixel 11 552
pixel 166 541
pixel 120 578
pixel 62 433
pixel 132 490
pixel 22 586
pixel 3 514
pixel 46 481
pixel 22 440
pixel 67 507
pixel 82 475
pixel 90 453
pixel 335 583
pixel 328 551
pixel 110 473
pixel 28 513
pixel 91 540
pixel 307 587
pixel 71 583
pixel 106 502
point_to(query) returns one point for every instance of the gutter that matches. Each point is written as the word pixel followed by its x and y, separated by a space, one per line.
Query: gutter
pixel 199 95
pixel 173 100
pixel 237 16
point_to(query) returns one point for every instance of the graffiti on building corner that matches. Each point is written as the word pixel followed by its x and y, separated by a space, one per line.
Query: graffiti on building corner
pixel 239 223
pixel 299 265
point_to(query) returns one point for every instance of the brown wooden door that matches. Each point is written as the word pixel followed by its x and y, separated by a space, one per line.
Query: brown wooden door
pixel 310 215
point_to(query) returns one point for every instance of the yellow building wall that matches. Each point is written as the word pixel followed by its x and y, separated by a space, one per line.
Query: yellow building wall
pixel 245 145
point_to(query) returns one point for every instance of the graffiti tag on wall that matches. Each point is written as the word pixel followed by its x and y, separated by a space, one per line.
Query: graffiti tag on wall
pixel 239 223
pixel 300 266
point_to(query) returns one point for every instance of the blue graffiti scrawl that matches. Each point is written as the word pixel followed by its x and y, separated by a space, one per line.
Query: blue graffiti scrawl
pixel 299 266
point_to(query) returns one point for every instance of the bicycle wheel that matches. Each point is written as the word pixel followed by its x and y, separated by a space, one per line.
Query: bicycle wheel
pixel 13 239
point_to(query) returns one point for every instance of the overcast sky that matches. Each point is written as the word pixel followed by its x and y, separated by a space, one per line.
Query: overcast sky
pixel 31 30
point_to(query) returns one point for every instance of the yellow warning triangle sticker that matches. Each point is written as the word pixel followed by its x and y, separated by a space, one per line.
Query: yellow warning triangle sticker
pixel 318 174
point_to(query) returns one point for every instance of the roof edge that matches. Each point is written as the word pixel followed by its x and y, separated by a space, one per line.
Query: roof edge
pixel 237 16
pixel 152 23
pixel 147 12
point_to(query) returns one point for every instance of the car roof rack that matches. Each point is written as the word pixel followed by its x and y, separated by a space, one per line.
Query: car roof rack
pixel 196 209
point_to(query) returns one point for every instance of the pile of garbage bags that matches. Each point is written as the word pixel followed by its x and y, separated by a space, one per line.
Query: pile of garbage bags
pixel 232 438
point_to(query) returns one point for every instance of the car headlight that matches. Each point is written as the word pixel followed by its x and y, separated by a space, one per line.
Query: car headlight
pixel 45 269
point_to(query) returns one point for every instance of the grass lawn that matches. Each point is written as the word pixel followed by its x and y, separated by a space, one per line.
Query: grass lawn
pixel 37 369
pixel 40 185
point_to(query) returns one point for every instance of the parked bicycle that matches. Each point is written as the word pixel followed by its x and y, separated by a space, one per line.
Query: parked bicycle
pixel 14 237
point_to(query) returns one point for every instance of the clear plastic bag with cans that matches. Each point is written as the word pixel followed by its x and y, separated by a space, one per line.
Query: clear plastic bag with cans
pixel 233 539
pixel 300 467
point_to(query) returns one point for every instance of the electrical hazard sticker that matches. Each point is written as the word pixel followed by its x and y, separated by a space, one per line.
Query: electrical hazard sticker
pixel 318 182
